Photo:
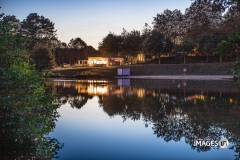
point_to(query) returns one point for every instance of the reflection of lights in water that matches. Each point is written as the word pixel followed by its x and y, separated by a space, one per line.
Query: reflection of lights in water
pixel 164 99
pixel 177 110
pixel 78 81
pixel 81 88
pixel 184 84
pixel 94 89
pixel 154 94
pixel 212 98
pixel 116 91
pixel 201 97
pixel 198 96
pixel 66 84
pixel 164 95
pixel 101 87
pixel 97 81
pixel 87 88
pixel 141 92
pixel 173 97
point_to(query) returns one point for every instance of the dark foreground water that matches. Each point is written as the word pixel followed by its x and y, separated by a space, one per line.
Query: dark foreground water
pixel 146 119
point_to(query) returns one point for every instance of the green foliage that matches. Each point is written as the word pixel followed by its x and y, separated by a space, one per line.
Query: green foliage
pixel 38 26
pixel 207 43
pixel 39 32
pixel 8 41
pixel 236 67
pixel 132 43
pixel 111 45
pixel 200 29
pixel 223 48
pixel 27 112
pixel 43 59
pixel 222 5
pixel 229 46
pixel 169 23
pixel 157 44
pixel 186 46
pixel 72 55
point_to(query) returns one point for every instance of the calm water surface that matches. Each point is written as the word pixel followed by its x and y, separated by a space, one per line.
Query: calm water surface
pixel 146 119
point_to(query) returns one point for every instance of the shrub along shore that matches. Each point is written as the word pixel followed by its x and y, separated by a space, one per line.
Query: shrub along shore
pixel 137 70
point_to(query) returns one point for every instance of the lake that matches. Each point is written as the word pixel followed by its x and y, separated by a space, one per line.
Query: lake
pixel 147 119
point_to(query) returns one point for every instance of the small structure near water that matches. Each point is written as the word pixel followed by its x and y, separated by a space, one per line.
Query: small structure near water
pixel 123 71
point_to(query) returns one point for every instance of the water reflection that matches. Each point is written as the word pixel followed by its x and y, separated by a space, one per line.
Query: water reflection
pixel 210 112
pixel 27 116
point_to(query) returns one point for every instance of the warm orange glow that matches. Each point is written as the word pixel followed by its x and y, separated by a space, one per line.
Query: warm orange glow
pixel 97 90
pixel 198 96
pixel 101 87
pixel 141 92
pixel 230 100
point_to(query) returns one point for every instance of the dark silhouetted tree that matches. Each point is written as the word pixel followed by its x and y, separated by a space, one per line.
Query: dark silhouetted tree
pixel 77 43
pixel 111 45
pixel 39 31
pixel 43 59
pixel 157 44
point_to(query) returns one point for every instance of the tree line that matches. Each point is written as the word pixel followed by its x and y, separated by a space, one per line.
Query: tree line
pixel 42 41
pixel 206 28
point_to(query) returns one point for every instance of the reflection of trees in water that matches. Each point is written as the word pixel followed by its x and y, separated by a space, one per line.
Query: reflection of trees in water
pixel 71 96
pixel 176 115
pixel 75 101
pixel 24 131
pixel 27 115
pixel 176 126
pixel 62 100
pixel 176 119
pixel 78 101
pixel 213 119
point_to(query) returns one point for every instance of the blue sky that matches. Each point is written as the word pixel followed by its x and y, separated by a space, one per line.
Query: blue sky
pixel 91 20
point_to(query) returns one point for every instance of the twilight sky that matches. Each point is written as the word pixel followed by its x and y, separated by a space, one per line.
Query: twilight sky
pixel 91 20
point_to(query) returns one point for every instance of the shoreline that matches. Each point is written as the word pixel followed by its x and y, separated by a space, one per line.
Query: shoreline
pixel 155 77
pixel 181 77
pixel 197 71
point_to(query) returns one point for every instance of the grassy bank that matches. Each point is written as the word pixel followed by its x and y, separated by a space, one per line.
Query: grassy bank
pixel 163 69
